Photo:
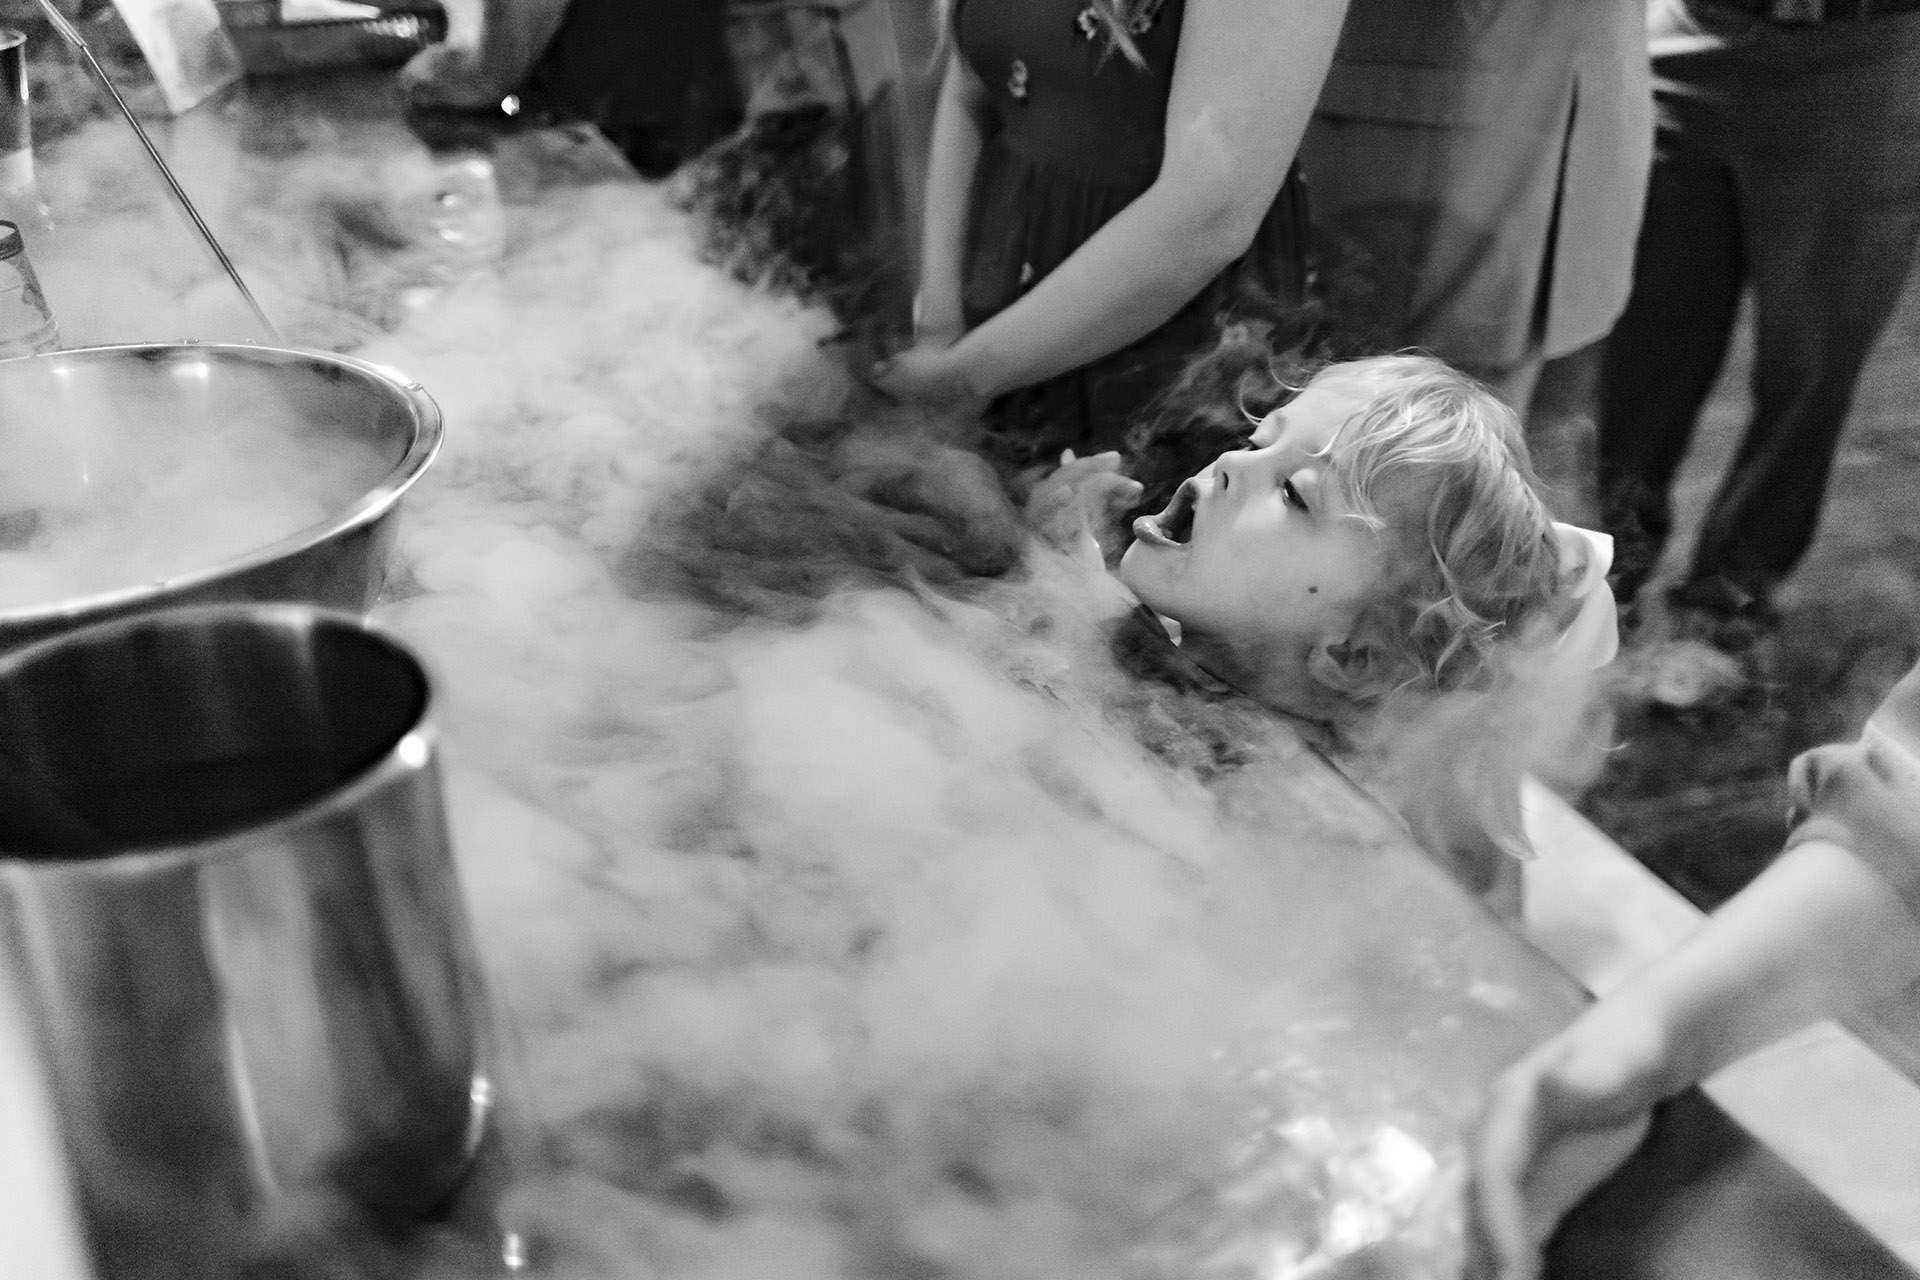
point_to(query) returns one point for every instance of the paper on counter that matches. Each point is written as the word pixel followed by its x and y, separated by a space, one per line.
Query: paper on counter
pixel 186 47
pixel 293 12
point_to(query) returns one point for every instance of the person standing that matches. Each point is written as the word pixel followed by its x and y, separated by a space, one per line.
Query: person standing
pixel 655 76
pixel 1475 172
pixel 1105 178
pixel 1787 161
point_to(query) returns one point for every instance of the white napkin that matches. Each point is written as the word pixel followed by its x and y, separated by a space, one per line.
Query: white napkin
pixel 1595 630
pixel 297 11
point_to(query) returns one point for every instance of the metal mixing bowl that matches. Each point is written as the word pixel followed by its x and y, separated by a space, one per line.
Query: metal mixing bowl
pixel 340 562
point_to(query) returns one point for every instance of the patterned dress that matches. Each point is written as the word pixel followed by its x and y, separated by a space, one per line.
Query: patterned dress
pixel 1075 136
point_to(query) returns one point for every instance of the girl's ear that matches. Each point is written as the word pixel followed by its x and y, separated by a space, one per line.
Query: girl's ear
pixel 1348 667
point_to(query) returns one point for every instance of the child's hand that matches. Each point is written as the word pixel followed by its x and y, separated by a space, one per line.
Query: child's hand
pixel 1559 1122
pixel 1072 507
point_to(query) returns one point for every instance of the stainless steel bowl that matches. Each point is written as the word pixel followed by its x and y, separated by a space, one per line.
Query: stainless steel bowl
pixel 340 562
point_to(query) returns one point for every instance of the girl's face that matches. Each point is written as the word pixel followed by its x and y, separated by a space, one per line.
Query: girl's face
pixel 1256 552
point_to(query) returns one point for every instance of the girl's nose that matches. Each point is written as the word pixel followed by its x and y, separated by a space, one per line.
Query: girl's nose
pixel 1235 468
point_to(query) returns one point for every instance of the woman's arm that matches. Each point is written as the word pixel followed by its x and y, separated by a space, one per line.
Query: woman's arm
pixel 489 48
pixel 1819 934
pixel 1245 79
pixel 953 154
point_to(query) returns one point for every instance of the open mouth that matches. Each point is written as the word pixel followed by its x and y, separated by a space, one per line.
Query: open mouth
pixel 1174 526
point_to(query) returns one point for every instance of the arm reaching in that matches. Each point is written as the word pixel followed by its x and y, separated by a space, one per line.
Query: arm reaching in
pixel 953 154
pixel 1245 79
pixel 1819 934
pixel 489 48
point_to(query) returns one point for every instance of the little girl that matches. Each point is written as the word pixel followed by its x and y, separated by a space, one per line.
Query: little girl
pixel 1379 563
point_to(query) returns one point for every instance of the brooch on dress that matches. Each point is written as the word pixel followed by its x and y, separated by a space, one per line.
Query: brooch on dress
pixel 1088 20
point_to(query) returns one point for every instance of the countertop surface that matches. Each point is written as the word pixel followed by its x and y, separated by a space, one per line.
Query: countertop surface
pixel 846 908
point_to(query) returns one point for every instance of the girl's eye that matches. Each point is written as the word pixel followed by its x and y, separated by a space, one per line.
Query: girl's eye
pixel 1291 495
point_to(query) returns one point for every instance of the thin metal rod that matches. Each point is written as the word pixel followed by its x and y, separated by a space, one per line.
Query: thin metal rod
pixel 79 42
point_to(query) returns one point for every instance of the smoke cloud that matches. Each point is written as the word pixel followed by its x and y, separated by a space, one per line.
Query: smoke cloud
pixel 851 910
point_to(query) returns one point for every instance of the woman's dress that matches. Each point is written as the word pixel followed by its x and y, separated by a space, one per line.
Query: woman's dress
pixel 1075 135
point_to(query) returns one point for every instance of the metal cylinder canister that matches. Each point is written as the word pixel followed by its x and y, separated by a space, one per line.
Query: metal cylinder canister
pixel 228 896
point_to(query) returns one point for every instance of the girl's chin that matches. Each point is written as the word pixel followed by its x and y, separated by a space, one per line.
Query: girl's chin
pixel 1169 610
pixel 1136 574
pixel 1146 559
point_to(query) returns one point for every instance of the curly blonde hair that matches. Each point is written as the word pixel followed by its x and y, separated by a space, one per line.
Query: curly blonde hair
pixel 1438 464
pixel 1451 684
pixel 1463 689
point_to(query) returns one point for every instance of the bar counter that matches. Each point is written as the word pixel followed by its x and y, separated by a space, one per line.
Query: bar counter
pixel 848 911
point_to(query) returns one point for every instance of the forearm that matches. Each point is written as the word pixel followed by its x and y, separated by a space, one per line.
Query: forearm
pixel 953 156
pixel 1817 935
pixel 487 51
pixel 1123 283
pixel 1246 75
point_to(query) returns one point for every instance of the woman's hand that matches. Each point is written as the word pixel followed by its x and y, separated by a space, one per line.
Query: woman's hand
pixel 489 47
pixel 928 373
pixel 1558 1123
pixel 451 75
pixel 1246 75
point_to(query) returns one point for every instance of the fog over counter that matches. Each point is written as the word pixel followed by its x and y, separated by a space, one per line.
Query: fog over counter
pixel 851 911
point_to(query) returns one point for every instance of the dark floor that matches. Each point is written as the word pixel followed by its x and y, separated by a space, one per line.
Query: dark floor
pixel 1699 793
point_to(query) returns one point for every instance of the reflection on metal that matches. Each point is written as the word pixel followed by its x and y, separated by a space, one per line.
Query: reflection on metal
pixel 39 1229
pixel 341 563
pixel 243 952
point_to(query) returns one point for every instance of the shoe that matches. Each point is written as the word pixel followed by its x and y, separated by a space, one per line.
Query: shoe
pixel 1635 557
pixel 1721 612
pixel 1637 522
pixel 1687 674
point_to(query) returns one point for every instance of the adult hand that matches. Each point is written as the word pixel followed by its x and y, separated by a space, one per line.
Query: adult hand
pixel 489 48
pixel 926 373
pixel 450 75
pixel 1558 1123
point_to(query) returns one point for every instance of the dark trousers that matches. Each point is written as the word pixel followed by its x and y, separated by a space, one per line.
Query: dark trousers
pixel 1787 160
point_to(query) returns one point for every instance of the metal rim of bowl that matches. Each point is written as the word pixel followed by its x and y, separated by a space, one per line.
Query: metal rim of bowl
pixel 140 859
pixel 429 431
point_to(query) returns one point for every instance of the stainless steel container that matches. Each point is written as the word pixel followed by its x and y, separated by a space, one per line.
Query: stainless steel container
pixel 340 562
pixel 228 898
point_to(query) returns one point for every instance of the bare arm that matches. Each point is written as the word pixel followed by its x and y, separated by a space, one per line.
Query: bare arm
pixel 1819 934
pixel 1245 79
pixel 952 157
pixel 489 47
